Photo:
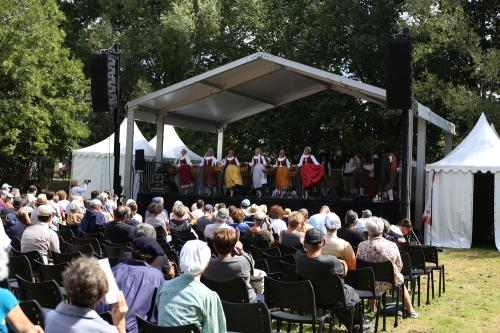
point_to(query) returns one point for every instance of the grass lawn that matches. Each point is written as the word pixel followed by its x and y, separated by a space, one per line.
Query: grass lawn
pixel 471 302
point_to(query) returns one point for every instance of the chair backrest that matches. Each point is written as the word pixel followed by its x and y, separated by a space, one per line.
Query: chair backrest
pixel 235 291
pixel 262 265
pixel 96 246
pixel 384 271
pixel 430 253
pixel 247 318
pixel 329 292
pixel 16 243
pixel 406 270
pixel 47 293
pixel 60 258
pixel 20 265
pixel 274 261
pixel 257 251
pixel 289 271
pixel 286 250
pixel 51 272
pixel 417 259
pixel 298 296
pixel 91 235
pixel 66 234
pixel 34 312
pixel 145 326
pixel 86 249
pixel 361 279
pixel 112 251
pixel 32 257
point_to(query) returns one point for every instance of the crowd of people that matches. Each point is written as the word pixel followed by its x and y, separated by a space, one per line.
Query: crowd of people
pixel 218 249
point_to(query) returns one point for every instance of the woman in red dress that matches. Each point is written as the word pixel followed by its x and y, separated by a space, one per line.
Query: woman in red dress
pixel 311 172
pixel 209 179
pixel 185 174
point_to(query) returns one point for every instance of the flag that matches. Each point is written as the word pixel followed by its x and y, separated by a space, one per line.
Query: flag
pixel 427 215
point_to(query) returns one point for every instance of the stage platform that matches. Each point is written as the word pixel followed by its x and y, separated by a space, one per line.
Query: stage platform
pixel 388 210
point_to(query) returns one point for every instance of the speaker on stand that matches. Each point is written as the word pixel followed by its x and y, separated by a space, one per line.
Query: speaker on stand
pixel 139 166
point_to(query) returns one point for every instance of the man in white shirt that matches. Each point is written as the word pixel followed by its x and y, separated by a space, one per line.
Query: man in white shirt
pixel 39 237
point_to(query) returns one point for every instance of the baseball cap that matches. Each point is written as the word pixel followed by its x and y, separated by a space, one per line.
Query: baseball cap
pixel 332 221
pixel 245 203
pixel 223 213
pixel 6 186
pixel 148 246
pixel 208 207
pixel 44 210
pixel 314 236
pixel 129 201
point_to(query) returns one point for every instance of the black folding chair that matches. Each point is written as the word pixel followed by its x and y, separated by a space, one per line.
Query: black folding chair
pixel 112 251
pixel 60 258
pixel 86 249
pixel 51 272
pixel 288 271
pixel 258 251
pixel 145 326
pixel 286 250
pixel 283 303
pixel 16 243
pixel 247 318
pixel 66 234
pixel 432 256
pixel 34 312
pixel 274 261
pixel 419 268
pixel 96 246
pixel 21 266
pixel 413 279
pixel 235 291
pixel 47 293
pixel 93 235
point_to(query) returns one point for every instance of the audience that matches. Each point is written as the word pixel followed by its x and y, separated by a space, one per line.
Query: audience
pixel 220 222
pixel 155 216
pixel 182 219
pixel 348 231
pixel 360 223
pixel 238 221
pixel 93 221
pixel 199 211
pixel 117 231
pixel 292 237
pixel 398 233
pixel 276 219
pixel 304 226
pixel 133 211
pixel 260 233
pixel 318 220
pixel 85 284
pixel 185 300
pixel 336 246
pixel 13 226
pixel 204 220
pixel 39 237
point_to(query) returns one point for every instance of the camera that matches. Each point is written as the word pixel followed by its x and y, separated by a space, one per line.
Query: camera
pixel 87 181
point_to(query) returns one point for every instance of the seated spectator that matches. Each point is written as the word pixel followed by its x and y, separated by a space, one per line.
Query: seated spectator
pixel 198 211
pixel 6 199
pixel 185 300
pixel 63 202
pixel 130 221
pixel 220 222
pixel 292 237
pixel 20 206
pixel 156 217
pixel 74 218
pixel 379 249
pixel 93 221
pixel 227 267
pixel 276 219
pixel 39 237
pixel 398 233
pixel 86 284
pixel 117 231
pixel 360 223
pixel 206 219
pixel 318 220
pixel 13 226
pixel 336 246
pixel 304 226
pixel 245 204
pixel 348 231
pixel 313 265
pixel 10 311
pixel 259 233
pixel 238 217
pixel 133 210
pixel 182 219
pixel 286 215
pixel 251 212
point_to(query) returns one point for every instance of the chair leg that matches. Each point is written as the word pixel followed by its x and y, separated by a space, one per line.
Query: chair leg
pixel 377 303
pixel 397 306
pixel 412 282
pixel 418 286
pixel 432 282
pixel 384 301
pixel 442 268
pixel 439 283
pixel 428 287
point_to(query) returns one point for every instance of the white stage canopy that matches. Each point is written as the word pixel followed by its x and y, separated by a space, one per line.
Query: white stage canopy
pixel 172 145
pixel 453 187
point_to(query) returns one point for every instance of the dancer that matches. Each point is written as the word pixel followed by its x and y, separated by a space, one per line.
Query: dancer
pixel 282 167
pixel 311 173
pixel 185 174
pixel 232 173
pixel 209 179
pixel 259 178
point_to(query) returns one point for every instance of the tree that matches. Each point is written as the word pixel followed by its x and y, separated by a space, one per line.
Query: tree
pixel 43 92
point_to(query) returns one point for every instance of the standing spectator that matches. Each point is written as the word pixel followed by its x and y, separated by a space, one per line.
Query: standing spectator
pixel 39 237
pixel 117 231
pixel 348 231
pixel 220 222
pixel 185 300
pixel 77 188
pixel 93 221
pixel 206 219
pixel 276 219
pixel 318 220
pixel 336 246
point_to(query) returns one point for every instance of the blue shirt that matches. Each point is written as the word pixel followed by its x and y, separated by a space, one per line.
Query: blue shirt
pixel 14 228
pixel 7 302
pixel 242 227
pixel 68 318
pixel 318 221
pixel 93 221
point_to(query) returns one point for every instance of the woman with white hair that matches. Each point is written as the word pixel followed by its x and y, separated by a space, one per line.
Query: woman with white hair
pixel 10 311
pixel 185 300
pixel 379 249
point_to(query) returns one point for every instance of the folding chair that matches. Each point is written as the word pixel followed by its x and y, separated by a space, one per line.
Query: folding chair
pixel 247 317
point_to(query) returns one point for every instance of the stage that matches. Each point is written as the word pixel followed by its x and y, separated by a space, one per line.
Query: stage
pixel 388 210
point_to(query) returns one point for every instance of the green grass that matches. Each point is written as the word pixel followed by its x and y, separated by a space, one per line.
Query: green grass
pixel 471 302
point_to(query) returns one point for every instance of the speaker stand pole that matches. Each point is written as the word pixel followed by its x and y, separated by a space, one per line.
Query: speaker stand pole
pixel 117 188
pixel 406 161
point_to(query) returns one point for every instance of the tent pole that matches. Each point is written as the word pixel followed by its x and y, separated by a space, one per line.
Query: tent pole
pixel 420 183
pixel 448 142
pixel 128 153
pixel 220 142
pixel 160 124
pixel 406 159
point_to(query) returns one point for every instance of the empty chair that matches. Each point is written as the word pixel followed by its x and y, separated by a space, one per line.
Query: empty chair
pixel 86 249
pixel 33 256
pixel 96 246
pixel 418 267
pixel 274 261
pixel 46 293
pixel 20 265
pixel 66 234
pixel 258 251
pixel 112 251
pixel 235 291
pixel 147 327
pixel 432 256
pixel 51 272
pixel 409 276
pixel 288 271
pixel 247 318
pixel 34 312
pixel 59 258
pixel 91 235
pixel 16 243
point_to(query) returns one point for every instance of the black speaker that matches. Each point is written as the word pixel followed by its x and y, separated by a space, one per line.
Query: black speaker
pixel 103 82
pixel 399 74
pixel 140 162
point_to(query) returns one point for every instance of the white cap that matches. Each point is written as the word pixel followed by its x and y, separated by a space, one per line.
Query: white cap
pixel 6 186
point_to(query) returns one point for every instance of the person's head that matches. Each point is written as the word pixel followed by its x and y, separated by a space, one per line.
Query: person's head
pixel 6 187
pixel 133 207
pixel 50 195
pixel 146 249
pixel 183 151
pixel 224 240
pixel 231 209
pixel 374 226
pixel 200 203
pixel 245 203
pixel 210 152
pixel 258 151
pixel 85 282
pixel 259 218
pixel 307 150
pixel 221 205
pixel 145 230
pixel 230 153
pixel 286 213
pixel 351 217
pixel 304 212
pixel 387 226
pixel 44 213
pixel 324 209
pixel 179 212
pixel 222 215
pixel 194 257
pixel 121 214
pixel 366 213
pixel 41 200
pixel 282 153
pixel 405 226
pixel 159 200
pixel 73 207
pixel 94 194
pixel 295 220
pixel 208 210
pixel 95 204
pixel 155 209
pixel 62 194
pixel 263 208
pixel 15 192
pixel 314 240
pixel 253 209
pixel 276 212
pixel 32 189
pixel 332 223
pixel 17 203
pixel 237 215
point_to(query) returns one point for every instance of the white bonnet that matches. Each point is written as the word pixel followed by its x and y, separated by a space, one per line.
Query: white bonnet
pixel 194 257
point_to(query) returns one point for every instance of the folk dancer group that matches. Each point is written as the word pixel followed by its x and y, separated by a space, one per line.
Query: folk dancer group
pixel 311 172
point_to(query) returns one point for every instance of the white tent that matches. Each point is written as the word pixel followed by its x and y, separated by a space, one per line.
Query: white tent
pixel 172 144
pixel 453 187
pixel 96 162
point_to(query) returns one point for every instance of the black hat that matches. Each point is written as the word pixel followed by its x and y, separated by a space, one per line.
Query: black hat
pixel 314 236
pixel 146 245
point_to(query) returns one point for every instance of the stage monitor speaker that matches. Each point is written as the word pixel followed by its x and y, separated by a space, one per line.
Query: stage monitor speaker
pixel 140 162
pixel 103 82
pixel 399 74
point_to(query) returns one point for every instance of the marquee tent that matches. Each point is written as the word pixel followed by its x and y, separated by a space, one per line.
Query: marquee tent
pixel 452 190
pixel 172 144
pixel 96 162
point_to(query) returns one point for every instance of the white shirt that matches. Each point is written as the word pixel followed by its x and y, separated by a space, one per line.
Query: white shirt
pixel 63 204
pixel 278 225
pixel 210 229
pixel 185 157
pixel 198 213
pixel 304 156
pixel 79 190
pixel 259 157
pixel 227 158
pixel 210 158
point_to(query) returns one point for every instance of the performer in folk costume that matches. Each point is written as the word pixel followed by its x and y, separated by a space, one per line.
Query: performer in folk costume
pixel 185 175
pixel 209 177
pixel 232 173
pixel 311 173
pixel 282 167
pixel 259 178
